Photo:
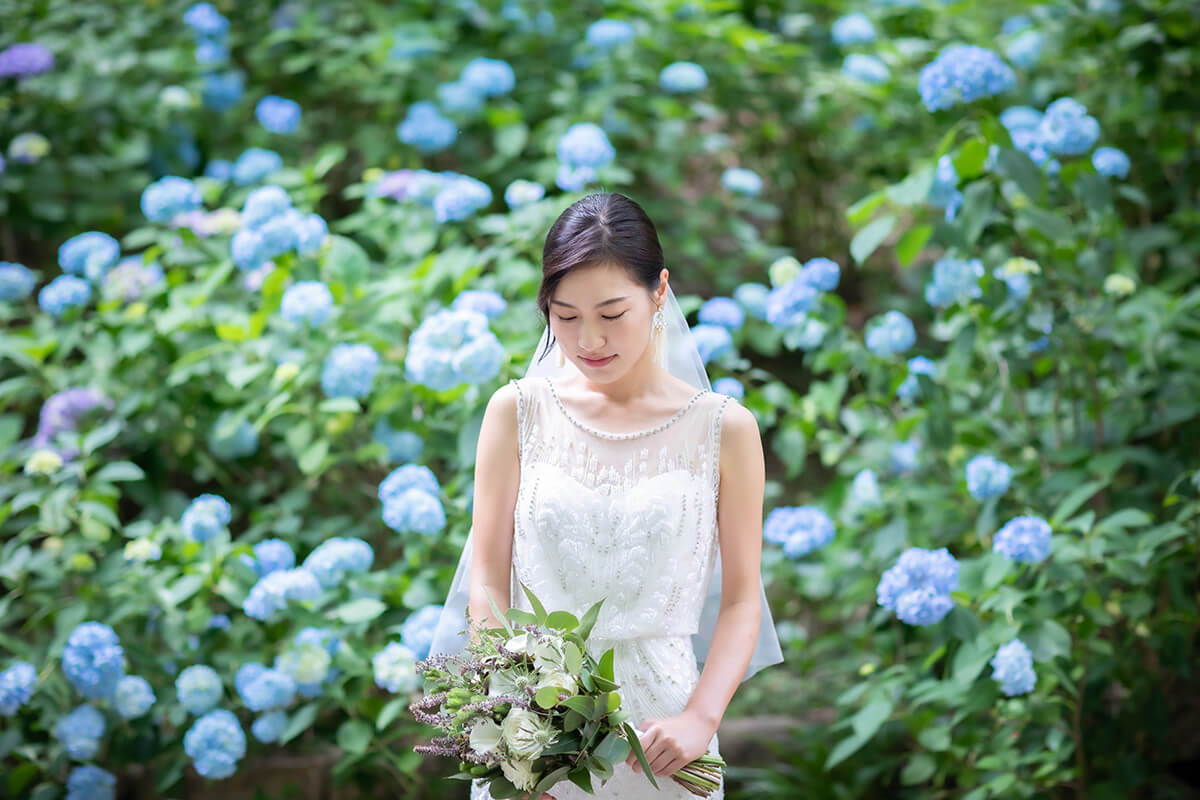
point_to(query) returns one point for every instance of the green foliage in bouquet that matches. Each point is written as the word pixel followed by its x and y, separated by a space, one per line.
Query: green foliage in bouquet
pixel 527 706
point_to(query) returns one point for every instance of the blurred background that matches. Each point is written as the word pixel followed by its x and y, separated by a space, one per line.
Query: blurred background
pixel 262 266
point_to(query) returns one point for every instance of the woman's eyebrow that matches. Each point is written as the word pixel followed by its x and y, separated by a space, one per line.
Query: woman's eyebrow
pixel 607 302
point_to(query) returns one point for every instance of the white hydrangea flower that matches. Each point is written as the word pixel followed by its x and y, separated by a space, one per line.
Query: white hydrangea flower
pixel 562 680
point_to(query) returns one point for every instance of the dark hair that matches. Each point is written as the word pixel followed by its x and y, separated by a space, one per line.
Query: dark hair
pixel 604 228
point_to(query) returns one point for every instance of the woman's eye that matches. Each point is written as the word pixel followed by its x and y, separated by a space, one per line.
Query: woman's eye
pixel 618 316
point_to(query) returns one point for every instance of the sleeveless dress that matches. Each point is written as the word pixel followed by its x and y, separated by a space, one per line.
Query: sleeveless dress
pixel 630 517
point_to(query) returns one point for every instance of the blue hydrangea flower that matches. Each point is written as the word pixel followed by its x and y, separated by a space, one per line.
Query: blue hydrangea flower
pixel 336 557
pixel 987 477
pixel 806 333
pixel 1111 162
pixel 311 230
pixel 682 76
pixel 918 586
pixel 1025 49
pixel 460 197
pixel 853 29
pixel 954 281
pixel 219 169
pixel 522 192
pixel 408 476
pixel 961 74
pixel 212 51
pixel 263 204
pixel 1020 118
pixel 945 183
pixel 452 347
pixel 88 782
pixel 910 387
pixel 272 555
pixel 1012 668
pixel 232 437
pixel 278 114
pixel 273 592
pixel 220 622
pixel 215 742
pixel 254 164
pixel 415 511
pixel 63 293
pixel 401 445
pixel 16 687
pixel 222 90
pixel 820 273
pixel 722 311
pixel 483 301
pixel 307 663
pixel 866 68
pixel 16 281
pixel 799 529
pixel 267 690
pixel 307 303
pixel 753 297
pixel 89 254
pixel 131 278
pixel 458 97
pixel 349 371
pixel 64 411
pixel 395 668
pixel 93 659
pixel 426 129
pixel 168 196
pixel 269 727
pixel 713 341
pixel 199 688
pixel 1067 129
pixel 133 697
pixel 205 517
pixel 607 34
pixel 729 386
pixel 890 334
pixel 247 673
pixel 740 180
pixel 417 630
pixel 904 455
pixel 787 304
pixel 864 489
pixel 1015 23
pixel 490 77
pixel 80 732
pixel 1025 539
pixel 573 179
pixel 205 20
pixel 585 144
pixel 23 59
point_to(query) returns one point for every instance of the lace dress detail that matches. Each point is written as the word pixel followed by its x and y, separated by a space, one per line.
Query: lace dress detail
pixel 629 517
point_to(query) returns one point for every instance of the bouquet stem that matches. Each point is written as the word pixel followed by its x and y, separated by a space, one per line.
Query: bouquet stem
pixel 702 776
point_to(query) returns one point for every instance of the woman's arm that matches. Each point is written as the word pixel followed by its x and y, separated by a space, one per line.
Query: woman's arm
pixel 739 518
pixel 497 478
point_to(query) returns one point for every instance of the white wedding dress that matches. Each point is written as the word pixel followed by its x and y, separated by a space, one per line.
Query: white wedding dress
pixel 631 517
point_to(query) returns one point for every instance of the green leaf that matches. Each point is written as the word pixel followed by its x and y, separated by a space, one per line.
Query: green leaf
pixel 870 237
pixel 970 660
pixel 1077 497
pixel 521 616
pixel 914 189
pixel 510 139
pixel 574 658
pixel 613 748
pixel 1047 640
pixel 971 156
pixel 911 242
pixel 338 405
pixel 547 696
pixel 101 436
pixel 871 717
pixel 976 211
pixel 1020 169
pixel 550 779
pixel 844 749
pixel 918 769
pixel 116 471
pixel 581 778
pixel 538 608
pixel 562 620
pixel 606 664
pixel 1047 223
pixel 346 261
pixel 362 610
pixel 354 736
pixel 390 711
pixel 314 455
pixel 589 620
pixel 496 611
pixel 581 704
pixel 184 588
pixel 632 738
pixel 862 210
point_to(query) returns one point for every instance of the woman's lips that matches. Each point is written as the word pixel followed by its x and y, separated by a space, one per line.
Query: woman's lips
pixel 600 363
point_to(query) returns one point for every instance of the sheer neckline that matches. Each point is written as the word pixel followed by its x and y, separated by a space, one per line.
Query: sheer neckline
pixel 621 435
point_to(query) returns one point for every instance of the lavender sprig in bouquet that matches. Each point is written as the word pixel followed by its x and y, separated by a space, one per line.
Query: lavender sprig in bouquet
pixel 525 706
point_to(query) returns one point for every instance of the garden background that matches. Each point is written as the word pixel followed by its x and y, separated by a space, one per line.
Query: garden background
pixel 264 264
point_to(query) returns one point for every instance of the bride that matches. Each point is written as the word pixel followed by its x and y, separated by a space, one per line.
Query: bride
pixel 607 471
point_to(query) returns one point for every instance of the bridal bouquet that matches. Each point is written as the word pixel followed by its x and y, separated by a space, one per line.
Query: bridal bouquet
pixel 526 706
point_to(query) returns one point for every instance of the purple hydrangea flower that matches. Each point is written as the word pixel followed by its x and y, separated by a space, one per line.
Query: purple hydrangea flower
pixel 24 59
pixel 63 411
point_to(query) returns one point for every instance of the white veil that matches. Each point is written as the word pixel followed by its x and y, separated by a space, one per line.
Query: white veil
pixel 684 362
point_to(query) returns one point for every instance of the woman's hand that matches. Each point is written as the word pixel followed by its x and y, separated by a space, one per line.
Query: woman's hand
pixel 671 743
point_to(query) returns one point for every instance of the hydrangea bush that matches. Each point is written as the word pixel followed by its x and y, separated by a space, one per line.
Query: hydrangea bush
pixel 248 340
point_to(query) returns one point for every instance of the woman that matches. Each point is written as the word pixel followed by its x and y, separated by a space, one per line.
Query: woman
pixel 606 472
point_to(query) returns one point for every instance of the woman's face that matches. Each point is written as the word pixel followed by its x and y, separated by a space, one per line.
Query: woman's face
pixel 598 312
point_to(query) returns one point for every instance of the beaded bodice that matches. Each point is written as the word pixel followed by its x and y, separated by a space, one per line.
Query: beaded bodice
pixel 627 516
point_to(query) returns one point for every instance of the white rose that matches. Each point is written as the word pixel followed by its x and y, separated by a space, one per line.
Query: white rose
pixel 518 643
pixel 562 680
pixel 549 656
pixel 485 736
pixel 525 733
pixel 520 773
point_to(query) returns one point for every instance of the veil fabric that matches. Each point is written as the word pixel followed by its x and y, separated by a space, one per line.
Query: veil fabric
pixel 683 361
